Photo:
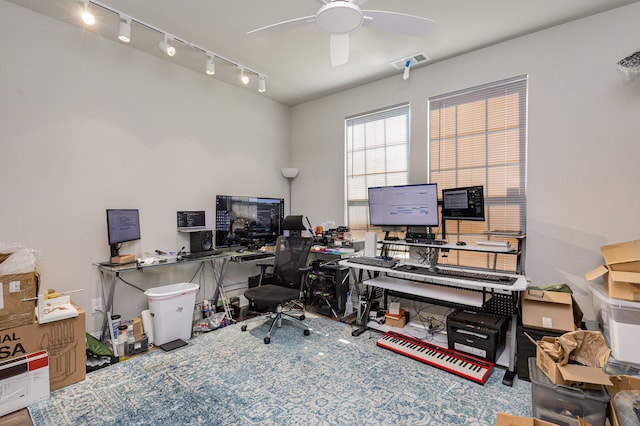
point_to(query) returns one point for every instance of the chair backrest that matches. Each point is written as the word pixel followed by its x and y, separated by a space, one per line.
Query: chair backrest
pixel 292 253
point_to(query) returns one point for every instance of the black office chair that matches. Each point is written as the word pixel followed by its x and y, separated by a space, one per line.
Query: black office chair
pixel 281 292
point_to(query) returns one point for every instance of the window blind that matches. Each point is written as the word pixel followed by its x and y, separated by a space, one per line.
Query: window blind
pixel 376 154
pixel 478 136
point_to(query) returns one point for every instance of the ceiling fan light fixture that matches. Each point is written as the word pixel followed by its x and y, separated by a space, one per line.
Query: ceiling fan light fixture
pixel 339 17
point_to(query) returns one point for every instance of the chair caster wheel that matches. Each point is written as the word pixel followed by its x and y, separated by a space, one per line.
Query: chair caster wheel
pixel 267 340
pixel 243 328
pixel 302 317
pixel 306 332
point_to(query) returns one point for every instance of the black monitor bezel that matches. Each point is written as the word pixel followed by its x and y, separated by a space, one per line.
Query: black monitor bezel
pixel 463 214
pixel 114 243
pixel 247 242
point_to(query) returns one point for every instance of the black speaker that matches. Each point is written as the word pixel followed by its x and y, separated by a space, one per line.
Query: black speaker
pixel 201 241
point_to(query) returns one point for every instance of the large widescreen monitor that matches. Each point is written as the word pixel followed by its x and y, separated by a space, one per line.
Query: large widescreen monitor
pixel 244 221
pixel 122 225
pixel 463 203
pixel 404 205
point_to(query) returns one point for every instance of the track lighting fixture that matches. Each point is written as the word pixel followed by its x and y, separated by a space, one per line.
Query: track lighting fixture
pixel 124 34
pixel 407 66
pixel 211 66
pixel 166 47
pixel 243 77
pixel 87 17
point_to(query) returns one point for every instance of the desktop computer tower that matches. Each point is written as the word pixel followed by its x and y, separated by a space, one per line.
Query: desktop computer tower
pixel 327 288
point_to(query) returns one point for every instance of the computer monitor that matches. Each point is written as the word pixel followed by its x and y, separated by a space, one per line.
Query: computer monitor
pixel 465 203
pixel 122 225
pixel 247 221
pixel 404 205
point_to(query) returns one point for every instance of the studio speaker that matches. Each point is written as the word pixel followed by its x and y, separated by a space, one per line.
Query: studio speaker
pixel 201 241
pixel 370 244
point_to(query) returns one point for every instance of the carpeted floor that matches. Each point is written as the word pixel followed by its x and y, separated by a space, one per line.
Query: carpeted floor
pixel 230 377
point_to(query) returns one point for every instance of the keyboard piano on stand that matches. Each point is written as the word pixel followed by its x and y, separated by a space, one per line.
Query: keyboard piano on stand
pixel 450 360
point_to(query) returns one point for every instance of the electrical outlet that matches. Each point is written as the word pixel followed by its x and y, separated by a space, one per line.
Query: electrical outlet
pixel 96 305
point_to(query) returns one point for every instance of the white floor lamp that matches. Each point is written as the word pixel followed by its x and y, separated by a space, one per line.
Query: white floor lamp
pixel 290 173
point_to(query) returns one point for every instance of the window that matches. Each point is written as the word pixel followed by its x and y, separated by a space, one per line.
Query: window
pixel 377 152
pixel 478 137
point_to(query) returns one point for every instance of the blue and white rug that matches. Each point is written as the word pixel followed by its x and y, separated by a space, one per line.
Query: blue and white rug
pixel 230 377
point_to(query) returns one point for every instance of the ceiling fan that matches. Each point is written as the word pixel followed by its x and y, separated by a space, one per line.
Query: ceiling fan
pixel 342 17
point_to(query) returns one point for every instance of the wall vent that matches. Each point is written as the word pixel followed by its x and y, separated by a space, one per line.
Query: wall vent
pixel 416 58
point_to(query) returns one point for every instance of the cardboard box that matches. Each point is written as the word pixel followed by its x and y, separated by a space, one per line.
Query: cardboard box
pixel 550 310
pixel 571 375
pixel 505 419
pixel 398 320
pixel 24 380
pixel 620 383
pixel 64 340
pixel 13 289
pixel 622 267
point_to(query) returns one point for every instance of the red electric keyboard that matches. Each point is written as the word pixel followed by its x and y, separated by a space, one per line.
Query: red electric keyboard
pixel 450 360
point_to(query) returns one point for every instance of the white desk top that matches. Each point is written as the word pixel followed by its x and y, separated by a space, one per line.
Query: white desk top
pixel 468 247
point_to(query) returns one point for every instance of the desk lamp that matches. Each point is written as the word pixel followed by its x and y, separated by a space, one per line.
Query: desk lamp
pixel 290 173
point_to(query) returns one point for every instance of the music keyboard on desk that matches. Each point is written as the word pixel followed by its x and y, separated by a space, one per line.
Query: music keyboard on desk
pixel 450 360
pixel 456 273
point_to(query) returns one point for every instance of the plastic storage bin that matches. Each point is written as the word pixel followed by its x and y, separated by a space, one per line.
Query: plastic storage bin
pixel 619 321
pixel 562 404
pixel 171 308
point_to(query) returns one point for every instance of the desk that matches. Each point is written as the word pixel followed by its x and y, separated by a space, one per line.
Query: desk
pixel 449 291
pixel 115 271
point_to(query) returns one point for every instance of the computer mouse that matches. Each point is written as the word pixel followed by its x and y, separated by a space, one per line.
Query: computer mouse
pixel 461 243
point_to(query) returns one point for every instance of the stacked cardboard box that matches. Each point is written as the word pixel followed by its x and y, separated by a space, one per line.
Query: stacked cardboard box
pixel 19 281
pixel 622 270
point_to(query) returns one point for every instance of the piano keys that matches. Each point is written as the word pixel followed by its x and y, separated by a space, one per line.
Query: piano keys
pixel 461 364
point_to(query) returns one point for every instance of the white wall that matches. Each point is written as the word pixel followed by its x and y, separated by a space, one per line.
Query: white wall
pixel 583 146
pixel 89 124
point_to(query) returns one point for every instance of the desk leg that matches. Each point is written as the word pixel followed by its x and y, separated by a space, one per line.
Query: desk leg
pixel 106 323
pixel 509 375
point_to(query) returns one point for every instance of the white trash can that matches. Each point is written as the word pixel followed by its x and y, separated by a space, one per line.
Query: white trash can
pixel 171 308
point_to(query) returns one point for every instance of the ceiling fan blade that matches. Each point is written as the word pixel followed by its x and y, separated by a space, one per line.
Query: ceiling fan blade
pixel 284 25
pixel 400 23
pixel 339 48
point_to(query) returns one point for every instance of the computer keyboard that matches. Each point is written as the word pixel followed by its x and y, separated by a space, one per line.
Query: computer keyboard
pixel 465 275
pixel 373 261
pixel 256 256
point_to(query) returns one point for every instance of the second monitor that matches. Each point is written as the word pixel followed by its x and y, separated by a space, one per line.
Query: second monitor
pixel 247 220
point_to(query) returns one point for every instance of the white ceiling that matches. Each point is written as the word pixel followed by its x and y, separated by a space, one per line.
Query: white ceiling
pixel 296 62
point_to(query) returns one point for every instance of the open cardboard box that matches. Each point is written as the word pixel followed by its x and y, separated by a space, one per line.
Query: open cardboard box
pixel 622 264
pixel 620 383
pixel 550 310
pixel 593 354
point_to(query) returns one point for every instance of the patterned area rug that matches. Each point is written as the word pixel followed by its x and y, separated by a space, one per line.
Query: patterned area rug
pixel 230 377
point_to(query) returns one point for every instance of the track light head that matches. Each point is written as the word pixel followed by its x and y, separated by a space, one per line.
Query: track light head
pixel 210 66
pixel 166 47
pixel 124 34
pixel 87 17
pixel 262 84
pixel 244 77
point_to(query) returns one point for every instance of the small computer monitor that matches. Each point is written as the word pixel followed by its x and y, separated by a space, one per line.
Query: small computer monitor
pixel 248 221
pixel 465 203
pixel 123 225
pixel 404 205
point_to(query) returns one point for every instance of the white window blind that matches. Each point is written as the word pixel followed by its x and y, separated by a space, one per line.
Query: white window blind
pixel 478 136
pixel 376 152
